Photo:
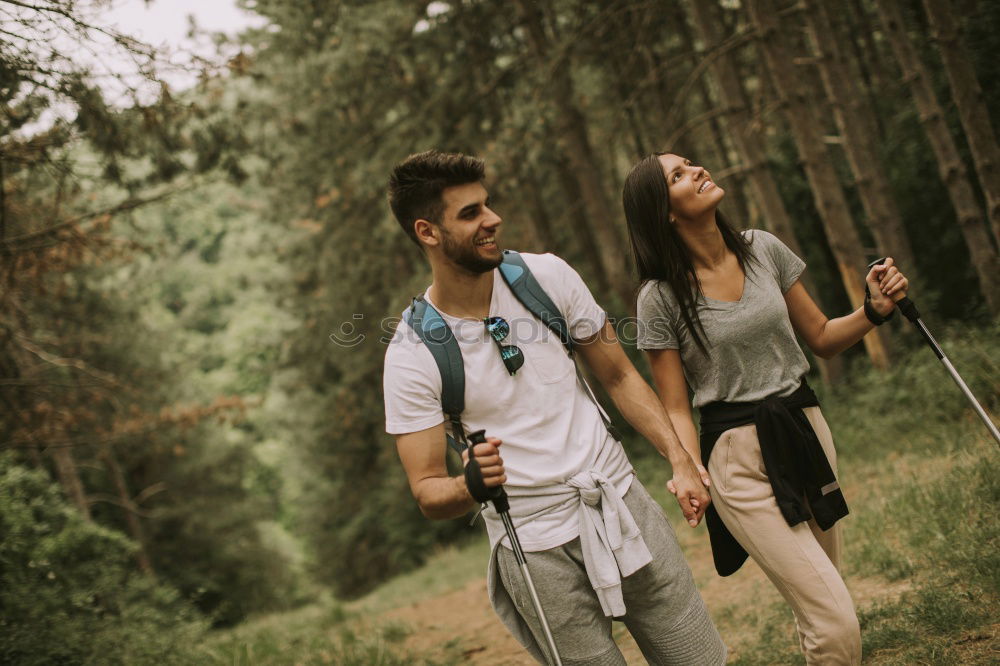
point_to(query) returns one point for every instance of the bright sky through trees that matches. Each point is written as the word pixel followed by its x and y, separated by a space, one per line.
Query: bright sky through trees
pixel 182 33
pixel 166 22
pixel 167 25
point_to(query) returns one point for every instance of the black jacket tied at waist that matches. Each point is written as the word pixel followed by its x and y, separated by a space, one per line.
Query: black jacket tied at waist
pixel 804 483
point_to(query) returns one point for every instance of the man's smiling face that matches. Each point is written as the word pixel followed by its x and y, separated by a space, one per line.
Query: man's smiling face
pixel 469 229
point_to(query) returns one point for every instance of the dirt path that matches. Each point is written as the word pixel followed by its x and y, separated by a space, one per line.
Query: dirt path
pixel 464 619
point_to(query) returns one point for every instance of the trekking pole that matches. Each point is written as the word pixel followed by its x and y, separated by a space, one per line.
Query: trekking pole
pixel 502 505
pixel 909 310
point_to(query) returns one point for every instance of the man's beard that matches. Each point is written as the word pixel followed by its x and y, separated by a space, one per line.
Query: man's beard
pixel 466 256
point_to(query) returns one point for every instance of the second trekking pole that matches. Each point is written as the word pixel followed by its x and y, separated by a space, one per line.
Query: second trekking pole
pixel 498 496
pixel 909 310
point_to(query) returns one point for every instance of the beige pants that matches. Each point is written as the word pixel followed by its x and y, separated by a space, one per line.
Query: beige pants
pixel 801 561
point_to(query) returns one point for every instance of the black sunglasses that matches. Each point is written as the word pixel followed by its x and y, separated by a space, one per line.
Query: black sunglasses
pixel 499 329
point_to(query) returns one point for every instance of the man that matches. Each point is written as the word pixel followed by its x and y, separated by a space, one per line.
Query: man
pixel 597 545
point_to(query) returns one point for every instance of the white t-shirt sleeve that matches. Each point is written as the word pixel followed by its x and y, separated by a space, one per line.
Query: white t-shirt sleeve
pixel 571 295
pixel 411 385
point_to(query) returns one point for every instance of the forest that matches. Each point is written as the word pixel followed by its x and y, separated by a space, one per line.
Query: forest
pixel 197 284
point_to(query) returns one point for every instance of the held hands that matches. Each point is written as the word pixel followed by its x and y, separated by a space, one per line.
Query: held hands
pixel 886 285
pixel 690 486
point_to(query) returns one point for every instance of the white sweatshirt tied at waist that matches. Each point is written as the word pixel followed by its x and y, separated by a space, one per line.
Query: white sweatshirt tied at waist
pixel 612 545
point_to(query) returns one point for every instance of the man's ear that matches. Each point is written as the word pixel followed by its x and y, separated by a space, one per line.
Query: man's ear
pixel 427 232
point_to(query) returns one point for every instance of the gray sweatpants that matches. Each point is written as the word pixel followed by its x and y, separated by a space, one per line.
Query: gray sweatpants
pixel 665 613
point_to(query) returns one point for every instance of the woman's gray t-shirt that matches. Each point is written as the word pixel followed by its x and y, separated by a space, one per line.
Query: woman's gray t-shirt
pixel 752 351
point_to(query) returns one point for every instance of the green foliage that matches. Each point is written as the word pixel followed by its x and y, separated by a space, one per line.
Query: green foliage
pixel 96 388
pixel 359 518
pixel 916 405
pixel 68 589
pixel 206 537
pixel 208 290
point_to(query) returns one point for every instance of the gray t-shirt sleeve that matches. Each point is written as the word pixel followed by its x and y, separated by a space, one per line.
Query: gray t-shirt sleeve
pixel 655 311
pixel 785 265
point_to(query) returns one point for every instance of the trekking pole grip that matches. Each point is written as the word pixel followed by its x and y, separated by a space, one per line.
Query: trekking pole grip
pixel 474 478
pixel 908 308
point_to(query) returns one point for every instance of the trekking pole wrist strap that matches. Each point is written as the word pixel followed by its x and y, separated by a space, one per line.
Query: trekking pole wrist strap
pixel 872 314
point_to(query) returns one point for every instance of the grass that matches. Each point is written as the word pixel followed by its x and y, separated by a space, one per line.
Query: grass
pixel 351 634
pixel 448 569
pixel 950 547
pixel 916 407
pixel 322 633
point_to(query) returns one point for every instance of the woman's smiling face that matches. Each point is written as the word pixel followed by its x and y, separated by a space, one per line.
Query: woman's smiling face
pixel 693 194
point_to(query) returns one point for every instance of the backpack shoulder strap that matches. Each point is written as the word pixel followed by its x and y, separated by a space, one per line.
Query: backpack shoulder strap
pixel 529 292
pixel 435 333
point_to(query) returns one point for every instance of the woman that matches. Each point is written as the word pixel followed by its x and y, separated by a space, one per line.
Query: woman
pixel 718 313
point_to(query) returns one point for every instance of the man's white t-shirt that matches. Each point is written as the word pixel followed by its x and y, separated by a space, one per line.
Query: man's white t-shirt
pixel 549 426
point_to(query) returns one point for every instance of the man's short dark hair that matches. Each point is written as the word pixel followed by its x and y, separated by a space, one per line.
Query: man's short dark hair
pixel 416 185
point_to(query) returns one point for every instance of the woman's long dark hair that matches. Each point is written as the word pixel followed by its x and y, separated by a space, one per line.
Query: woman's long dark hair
pixel 658 250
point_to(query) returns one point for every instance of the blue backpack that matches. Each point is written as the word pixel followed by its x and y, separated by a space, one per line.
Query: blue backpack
pixel 434 331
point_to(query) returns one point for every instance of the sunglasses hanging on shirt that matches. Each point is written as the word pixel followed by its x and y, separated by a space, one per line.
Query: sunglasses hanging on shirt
pixel 511 355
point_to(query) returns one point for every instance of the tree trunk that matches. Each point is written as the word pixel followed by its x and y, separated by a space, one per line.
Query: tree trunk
pixel 3 200
pixel 826 188
pixel 735 191
pixel 853 27
pixel 639 66
pixel 620 83
pixel 745 134
pixel 652 87
pixel 846 99
pixel 968 97
pixel 572 135
pixel 752 151
pixel 130 510
pixel 950 165
pixel 69 478
pixel 541 222
pixel 583 233
pixel 539 219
